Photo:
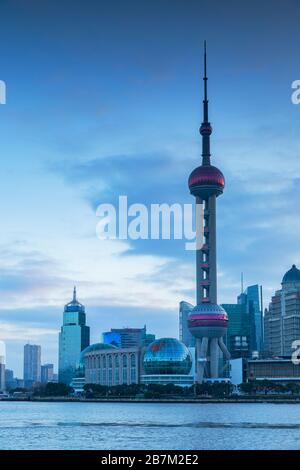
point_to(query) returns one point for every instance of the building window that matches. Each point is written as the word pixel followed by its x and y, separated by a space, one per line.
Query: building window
pixel 133 360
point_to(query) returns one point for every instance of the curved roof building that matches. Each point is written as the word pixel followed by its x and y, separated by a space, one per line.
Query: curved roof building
pixel 292 276
pixel 91 348
pixel 167 356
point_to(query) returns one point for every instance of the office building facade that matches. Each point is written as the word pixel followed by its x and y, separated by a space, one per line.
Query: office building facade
pixel 282 319
pixel 128 337
pixel 10 381
pixel 32 364
pixel 278 370
pixel 113 366
pixel 73 338
pixel 252 299
pixel 47 373
pixel 2 365
pixel 238 336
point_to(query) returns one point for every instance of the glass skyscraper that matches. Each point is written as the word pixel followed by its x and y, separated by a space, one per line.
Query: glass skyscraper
pixel 245 329
pixel 73 338
pixel 252 299
pixel 238 336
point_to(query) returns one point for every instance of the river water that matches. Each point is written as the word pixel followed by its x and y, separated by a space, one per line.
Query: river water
pixel 158 426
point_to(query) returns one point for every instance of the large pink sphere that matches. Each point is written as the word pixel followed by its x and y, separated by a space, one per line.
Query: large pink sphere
pixel 208 321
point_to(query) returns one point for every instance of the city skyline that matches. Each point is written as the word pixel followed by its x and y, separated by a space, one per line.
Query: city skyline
pixel 83 132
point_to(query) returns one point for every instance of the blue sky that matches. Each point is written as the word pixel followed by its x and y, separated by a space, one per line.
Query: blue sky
pixel 104 98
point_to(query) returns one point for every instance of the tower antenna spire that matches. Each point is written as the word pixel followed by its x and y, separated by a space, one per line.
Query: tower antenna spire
pixel 205 101
pixel 205 129
pixel 74 294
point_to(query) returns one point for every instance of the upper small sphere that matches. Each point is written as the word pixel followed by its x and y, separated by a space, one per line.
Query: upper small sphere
pixel 293 275
pixel 205 128
pixel 206 180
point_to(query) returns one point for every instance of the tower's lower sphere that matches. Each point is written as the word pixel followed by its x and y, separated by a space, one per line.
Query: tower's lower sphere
pixel 208 321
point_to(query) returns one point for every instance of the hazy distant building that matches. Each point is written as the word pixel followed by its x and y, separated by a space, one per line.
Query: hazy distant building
pixel 32 364
pixel 73 338
pixel 47 373
pixel 282 319
pixel 2 365
pixel 128 337
pixel 10 381
pixel 184 333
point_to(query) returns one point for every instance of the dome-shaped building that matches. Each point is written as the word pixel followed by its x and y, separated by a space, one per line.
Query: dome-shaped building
pixel 90 348
pixel 78 381
pixel 167 360
pixel 292 276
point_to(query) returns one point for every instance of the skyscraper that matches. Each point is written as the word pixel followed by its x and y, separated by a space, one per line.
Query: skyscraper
pixel 184 333
pixel 2 365
pixel 73 338
pixel 32 364
pixel 282 320
pixel 238 336
pixel 47 373
pixel 10 381
pixel 207 321
pixel 252 299
pixel 245 333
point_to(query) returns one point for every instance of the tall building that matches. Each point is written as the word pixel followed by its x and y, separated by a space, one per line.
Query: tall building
pixel 2 365
pixel 238 336
pixel 282 319
pixel 47 373
pixel 184 333
pixel 32 364
pixel 73 338
pixel 10 381
pixel 207 321
pixel 128 337
pixel 252 299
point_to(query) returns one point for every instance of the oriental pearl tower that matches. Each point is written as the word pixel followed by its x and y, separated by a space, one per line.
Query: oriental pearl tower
pixel 207 321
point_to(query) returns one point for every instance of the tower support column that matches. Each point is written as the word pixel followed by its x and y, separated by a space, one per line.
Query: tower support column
pixel 212 249
pixel 201 358
pixel 214 358
pixel 199 245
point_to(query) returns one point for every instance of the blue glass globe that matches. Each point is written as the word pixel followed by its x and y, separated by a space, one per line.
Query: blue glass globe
pixel 167 356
